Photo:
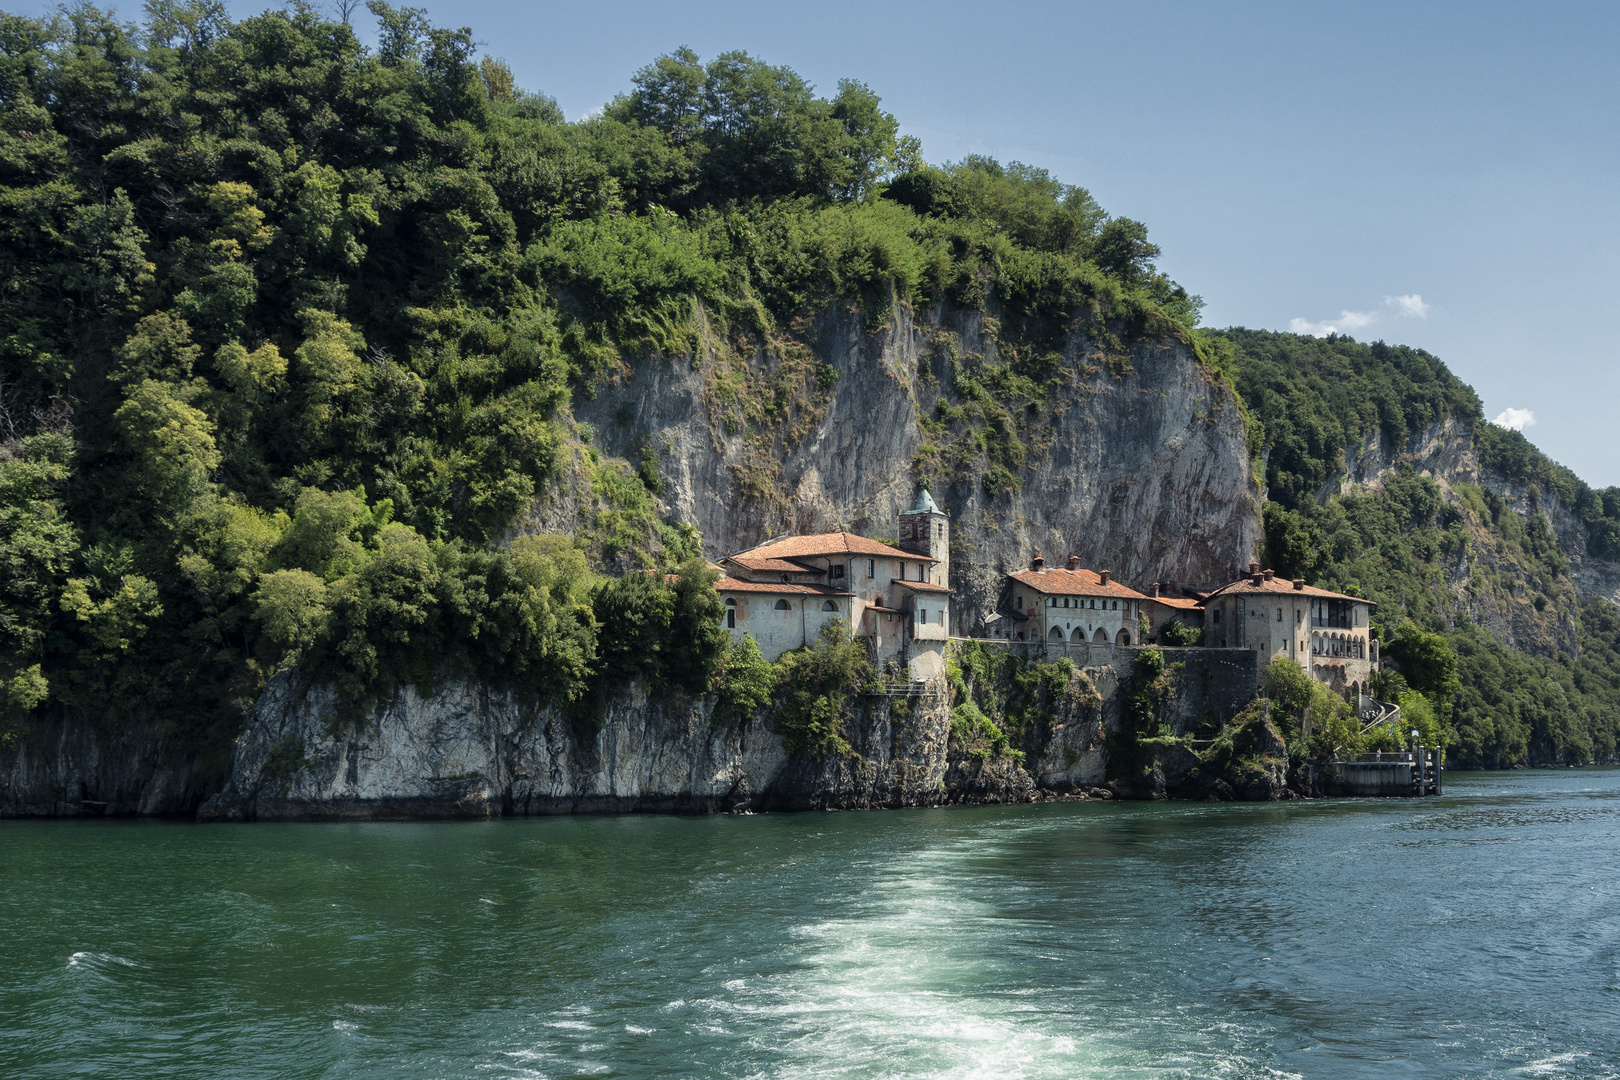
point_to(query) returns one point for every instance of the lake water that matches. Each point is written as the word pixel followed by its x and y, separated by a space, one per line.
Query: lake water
pixel 1477 934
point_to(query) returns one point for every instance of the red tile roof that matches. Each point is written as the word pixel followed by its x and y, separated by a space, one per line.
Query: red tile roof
pixel 1177 602
pixel 776 588
pixel 921 586
pixel 1280 586
pixel 772 566
pixel 838 543
pixel 1056 582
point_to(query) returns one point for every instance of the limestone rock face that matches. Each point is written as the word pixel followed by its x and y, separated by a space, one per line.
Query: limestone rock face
pixel 75 769
pixel 1445 452
pixel 1142 468
pixel 470 752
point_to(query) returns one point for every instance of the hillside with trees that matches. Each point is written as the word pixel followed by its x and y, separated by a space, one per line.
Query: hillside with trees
pixel 289 328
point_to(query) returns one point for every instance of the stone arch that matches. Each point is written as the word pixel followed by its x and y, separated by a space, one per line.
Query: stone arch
pixel 1079 635
pixel 1056 634
pixel 1100 637
pixel 1124 638
pixel 828 605
pixel 783 605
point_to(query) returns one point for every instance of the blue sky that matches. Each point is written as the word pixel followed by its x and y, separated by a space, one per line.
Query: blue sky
pixel 1438 174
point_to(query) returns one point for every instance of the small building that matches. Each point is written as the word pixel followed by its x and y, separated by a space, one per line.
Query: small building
pixel 898 597
pixel 1162 609
pixel 1072 605
pixel 1328 633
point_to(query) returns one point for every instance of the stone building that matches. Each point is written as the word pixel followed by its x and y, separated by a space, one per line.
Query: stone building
pixel 1071 605
pixel 1328 633
pixel 1162 608
pixel 899 598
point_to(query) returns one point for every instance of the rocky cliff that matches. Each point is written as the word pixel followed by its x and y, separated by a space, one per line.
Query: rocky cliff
pixel 1133 458
pixel 1514 597
pixel 468 752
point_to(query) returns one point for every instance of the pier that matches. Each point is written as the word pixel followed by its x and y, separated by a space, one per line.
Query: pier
pixel 1401 774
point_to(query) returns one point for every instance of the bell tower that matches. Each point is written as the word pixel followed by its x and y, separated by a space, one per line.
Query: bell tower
pixel 925 530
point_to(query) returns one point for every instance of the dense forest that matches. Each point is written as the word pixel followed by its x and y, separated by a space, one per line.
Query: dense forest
pixel 289 326
pixel 1445 567
pixel 286 323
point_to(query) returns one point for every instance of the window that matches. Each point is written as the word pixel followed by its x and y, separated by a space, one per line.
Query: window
pixel 731 614
pixel 922 616
pixel 871 569
pixel 1279 614
pixel 837 570
pixel 828 605
pixel 902 570
pixel 783 605
pixel 1217 616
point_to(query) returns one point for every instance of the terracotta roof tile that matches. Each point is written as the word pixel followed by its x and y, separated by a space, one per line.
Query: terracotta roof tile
pixel 1177 602
pixel 777 588
pixel 838 543
pixel 1245 586
pixel 772 566
pixel 1059 582
pixel 921 586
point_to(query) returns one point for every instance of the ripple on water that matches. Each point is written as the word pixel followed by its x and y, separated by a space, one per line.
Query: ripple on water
pixel 1126 942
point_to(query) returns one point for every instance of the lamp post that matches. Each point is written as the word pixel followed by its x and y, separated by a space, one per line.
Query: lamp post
pixel 1419 760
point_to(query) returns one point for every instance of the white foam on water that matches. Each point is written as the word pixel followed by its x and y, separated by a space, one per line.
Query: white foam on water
pixel 99 962
pixel 1560 1065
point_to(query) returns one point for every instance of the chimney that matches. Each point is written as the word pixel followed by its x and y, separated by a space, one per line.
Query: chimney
pixel 1254 568
pixel 1299 583
pixel 1074 562
pixel 1155 590
pixel 1038 565
pixel 1104 575
pixel 1270 574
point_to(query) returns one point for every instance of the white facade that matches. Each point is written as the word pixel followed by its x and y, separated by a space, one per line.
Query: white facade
pixel 1328 634
pixel 1071 606
pixel 784 592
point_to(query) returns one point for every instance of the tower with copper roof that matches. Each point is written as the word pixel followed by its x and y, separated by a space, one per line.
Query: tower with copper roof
pixel 926 530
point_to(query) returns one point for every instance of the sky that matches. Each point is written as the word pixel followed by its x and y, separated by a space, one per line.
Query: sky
pixel 1442 175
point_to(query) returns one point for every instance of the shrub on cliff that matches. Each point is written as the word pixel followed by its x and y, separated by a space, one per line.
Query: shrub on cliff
pixel 814 685
pixel 979 736
pixel 743 681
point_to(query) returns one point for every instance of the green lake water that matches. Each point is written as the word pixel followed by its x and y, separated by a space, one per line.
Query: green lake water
pixel 1477 934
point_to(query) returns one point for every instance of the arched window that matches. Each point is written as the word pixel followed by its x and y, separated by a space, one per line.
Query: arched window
pixel 731 614
pixel 1056 634
pixel 783 605
pixel 828 605
pixel 1100 637
pixel 1079 635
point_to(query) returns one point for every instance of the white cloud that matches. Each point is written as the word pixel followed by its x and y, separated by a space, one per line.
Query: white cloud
pixel 1410 304
pixel 1515 419
pixel 1347 320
